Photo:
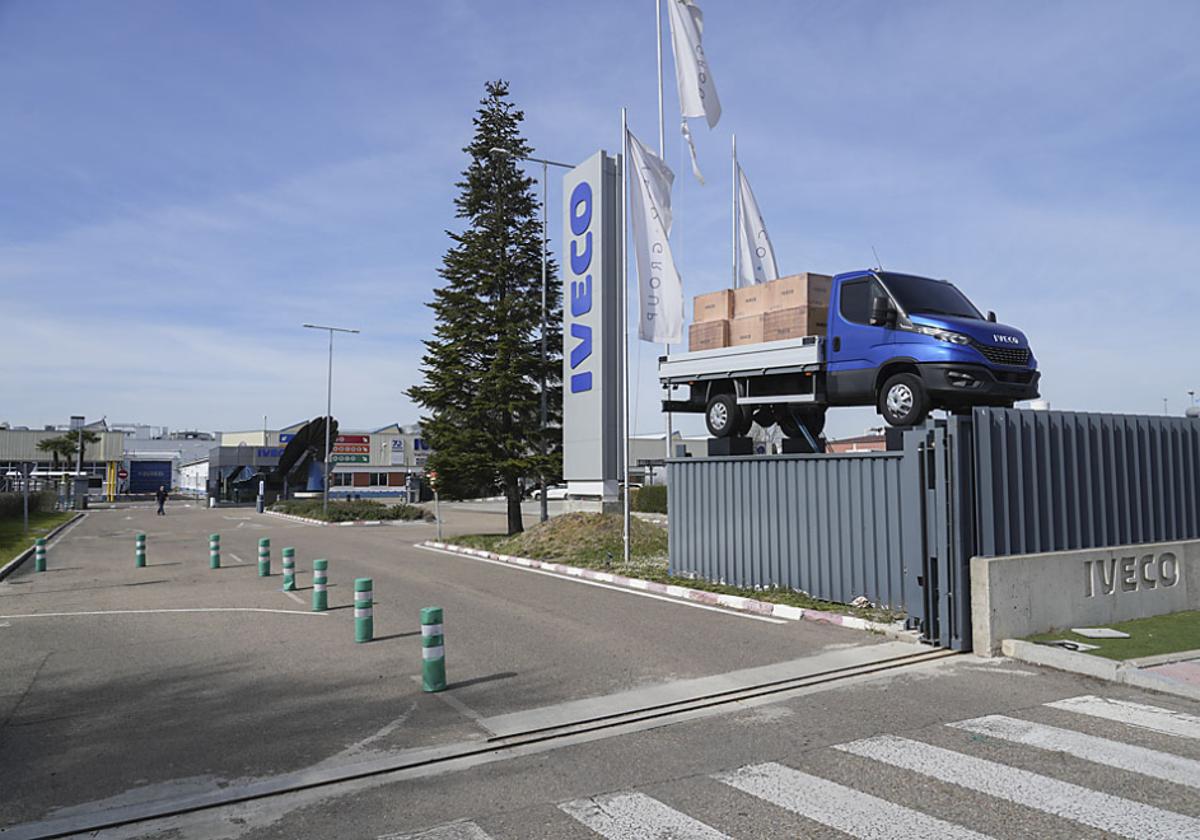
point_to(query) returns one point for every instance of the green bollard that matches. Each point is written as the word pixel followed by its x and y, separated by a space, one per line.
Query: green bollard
pixel 433 650
pixel 320 581
pixel 364 621
pixel 214 551
pixel 264 557
pixel 39 554
pixel 139 551
pixel 289 570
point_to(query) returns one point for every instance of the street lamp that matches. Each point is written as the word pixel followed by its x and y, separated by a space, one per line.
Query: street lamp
pixel 328 406
pixel 546 164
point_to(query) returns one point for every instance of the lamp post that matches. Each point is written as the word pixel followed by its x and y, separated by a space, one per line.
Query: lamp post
pixel 546 164
pixel 328 406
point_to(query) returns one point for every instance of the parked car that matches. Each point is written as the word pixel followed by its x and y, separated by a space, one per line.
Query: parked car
pixel 554 491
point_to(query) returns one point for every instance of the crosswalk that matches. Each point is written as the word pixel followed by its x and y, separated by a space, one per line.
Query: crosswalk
pixel 632 815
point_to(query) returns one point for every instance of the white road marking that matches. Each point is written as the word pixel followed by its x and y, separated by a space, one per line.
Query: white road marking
pixel 1157 765
pixel 59 536
pixel 635 816
pixel 1134 714
pixel 294 597
pixel 850 811
pixel 151 612
pixel 453 831
pixel 236 558
pixel 1123 817
pixel 623 589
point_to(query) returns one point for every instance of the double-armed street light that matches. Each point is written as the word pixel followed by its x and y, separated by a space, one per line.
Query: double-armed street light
pixel 328 406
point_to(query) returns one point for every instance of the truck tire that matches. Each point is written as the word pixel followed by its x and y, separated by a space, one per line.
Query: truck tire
pixel 723 416
pixel 790 418
pixel 903 401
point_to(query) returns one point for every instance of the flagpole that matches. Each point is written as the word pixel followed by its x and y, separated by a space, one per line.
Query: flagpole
pixel 662 153
pixel 625 329
pixel 733 212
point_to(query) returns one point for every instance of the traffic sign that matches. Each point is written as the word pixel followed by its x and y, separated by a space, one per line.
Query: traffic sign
pixel 122 473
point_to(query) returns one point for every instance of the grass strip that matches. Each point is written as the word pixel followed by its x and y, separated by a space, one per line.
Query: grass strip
pixel 596 541
pixel 1159 634
pixel 13 539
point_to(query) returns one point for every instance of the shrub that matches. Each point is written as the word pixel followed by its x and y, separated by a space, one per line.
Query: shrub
pixel 11 506
pixel 351 511
pixel 651 498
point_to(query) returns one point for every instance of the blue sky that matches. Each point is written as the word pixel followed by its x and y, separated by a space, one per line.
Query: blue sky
pixel 183 184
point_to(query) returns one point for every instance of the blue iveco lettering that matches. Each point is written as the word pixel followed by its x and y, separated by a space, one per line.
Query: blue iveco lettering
pixel 581 289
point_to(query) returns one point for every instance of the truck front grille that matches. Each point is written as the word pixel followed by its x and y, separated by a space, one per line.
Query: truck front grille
pixel 1011 356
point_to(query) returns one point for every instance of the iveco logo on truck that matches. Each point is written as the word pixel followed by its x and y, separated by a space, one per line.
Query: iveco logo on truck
pixel 1006 339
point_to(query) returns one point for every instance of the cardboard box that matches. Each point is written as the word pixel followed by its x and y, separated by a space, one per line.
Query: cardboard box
pixel 714 306
pixel 795 322
pixel 805 289
pixel 708 335
pixel 751 300
pixel 746 330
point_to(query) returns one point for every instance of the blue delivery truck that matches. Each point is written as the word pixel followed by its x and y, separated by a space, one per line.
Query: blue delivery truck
pixel 902 343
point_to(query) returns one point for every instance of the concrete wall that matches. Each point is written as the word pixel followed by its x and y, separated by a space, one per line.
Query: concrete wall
pixel 1023 594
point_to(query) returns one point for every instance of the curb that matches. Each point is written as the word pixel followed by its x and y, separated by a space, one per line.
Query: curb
pixel 1098 667
pixel 309 521
pixel 12 565
pixel 733 602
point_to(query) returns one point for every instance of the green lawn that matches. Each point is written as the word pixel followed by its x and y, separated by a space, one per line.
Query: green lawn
pixel 595 541
pixel 1148 636
pixel 12 537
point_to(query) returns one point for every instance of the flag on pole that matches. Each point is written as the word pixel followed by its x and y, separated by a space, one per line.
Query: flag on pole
pixel 697 91
pixel 660 289
pixel 757 255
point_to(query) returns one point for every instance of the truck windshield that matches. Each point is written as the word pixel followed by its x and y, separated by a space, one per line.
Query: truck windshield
pixel 932 297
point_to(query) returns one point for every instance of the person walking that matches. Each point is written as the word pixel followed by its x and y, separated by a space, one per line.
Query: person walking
pixel 161 498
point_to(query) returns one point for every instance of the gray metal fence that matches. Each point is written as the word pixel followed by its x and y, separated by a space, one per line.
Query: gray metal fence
pixel 830 525
pixel 1056 480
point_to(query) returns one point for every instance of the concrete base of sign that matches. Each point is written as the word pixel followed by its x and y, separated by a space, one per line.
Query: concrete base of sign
pixel 1024 594
pixel 593 506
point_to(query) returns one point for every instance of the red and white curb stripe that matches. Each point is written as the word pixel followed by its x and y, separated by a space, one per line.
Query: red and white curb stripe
pixel 309 521
pixel 733 602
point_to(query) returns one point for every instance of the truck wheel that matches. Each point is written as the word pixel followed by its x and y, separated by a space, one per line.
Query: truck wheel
pixel 903 401
pixel 723 416
pixel 790 419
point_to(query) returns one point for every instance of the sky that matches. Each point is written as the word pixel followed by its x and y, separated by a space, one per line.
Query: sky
pixel 182 185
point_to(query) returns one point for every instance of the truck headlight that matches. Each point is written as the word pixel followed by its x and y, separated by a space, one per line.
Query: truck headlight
pixel 942 335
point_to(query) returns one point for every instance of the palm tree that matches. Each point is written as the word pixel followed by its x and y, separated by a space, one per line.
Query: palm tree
pixel 66 446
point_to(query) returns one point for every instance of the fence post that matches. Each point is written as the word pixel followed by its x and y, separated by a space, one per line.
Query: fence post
pixel 433 650
pixel 364 600
pixel 264 557
pixel 39 554
pixel 139 550
pixel 214 551
pixel 320 598
pixel 289 570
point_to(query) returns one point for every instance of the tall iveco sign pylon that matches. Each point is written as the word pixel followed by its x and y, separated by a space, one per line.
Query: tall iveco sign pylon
pixel 592 327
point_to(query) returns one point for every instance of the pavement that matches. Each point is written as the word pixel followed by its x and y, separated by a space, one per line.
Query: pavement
pixel 801 735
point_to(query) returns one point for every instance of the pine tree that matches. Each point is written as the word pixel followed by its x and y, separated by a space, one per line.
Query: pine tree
pixel 483 367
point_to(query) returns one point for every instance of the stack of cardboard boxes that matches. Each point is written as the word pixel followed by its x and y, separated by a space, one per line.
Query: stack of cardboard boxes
pixel 789 307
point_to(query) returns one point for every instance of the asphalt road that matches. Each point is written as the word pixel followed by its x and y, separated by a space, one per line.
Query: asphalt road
pixel 104 711
pixel 177 677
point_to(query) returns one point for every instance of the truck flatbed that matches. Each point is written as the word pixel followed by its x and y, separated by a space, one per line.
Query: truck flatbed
pixel 797 355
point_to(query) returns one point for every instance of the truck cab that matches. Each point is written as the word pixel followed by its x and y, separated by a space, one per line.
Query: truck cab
pixel 909 344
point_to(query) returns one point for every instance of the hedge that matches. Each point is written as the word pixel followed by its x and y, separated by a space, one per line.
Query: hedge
pixel 350 511
pixel 652 498
pixel 11 506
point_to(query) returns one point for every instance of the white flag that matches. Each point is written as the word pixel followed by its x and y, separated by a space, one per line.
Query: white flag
pixel 757 255
pixel 659 286
pixel 697 91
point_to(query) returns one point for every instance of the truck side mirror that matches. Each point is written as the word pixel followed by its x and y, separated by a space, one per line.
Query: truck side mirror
pixel 991 316
pixel 882 313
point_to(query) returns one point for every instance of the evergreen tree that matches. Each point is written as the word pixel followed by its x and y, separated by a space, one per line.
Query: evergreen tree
pixel 483 367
